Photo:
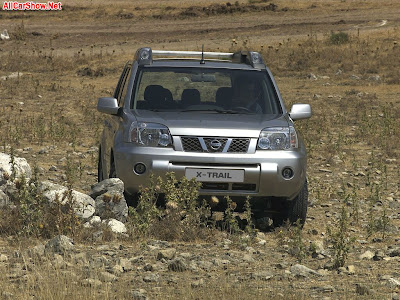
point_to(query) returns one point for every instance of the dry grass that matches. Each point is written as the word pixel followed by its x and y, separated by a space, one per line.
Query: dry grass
pixel 352 138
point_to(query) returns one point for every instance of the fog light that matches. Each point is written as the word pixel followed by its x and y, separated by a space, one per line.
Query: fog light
pixel 139 168
pixel 287 173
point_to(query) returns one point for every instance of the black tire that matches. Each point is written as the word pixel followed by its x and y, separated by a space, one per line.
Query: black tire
pixel 100 168
pixel 297 208
pixel 113 172
pixel 294 210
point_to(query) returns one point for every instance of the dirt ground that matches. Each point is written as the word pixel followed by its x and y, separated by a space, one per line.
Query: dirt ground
pixel 69 58
pixel 123 26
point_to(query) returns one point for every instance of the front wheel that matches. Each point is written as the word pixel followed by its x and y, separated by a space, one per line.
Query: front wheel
pixel 296 210
pixel 113 172
pixel 100 176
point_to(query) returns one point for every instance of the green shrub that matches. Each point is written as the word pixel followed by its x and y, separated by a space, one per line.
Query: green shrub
pixel 338 38
pixel 339 238
pixel 33 215
pixel 183 218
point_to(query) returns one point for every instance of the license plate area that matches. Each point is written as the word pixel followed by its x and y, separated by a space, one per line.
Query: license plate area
pixel 215 175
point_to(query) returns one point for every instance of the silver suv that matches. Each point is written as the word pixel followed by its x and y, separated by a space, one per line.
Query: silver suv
pixel 217 117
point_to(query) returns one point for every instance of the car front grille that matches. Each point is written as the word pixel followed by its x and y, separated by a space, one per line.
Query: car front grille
pixel 215 144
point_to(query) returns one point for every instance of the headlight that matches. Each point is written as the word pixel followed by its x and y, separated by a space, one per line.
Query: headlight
pixel 149 134
pixel 277 138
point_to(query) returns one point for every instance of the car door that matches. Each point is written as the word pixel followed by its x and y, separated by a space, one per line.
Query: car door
pixel 112 123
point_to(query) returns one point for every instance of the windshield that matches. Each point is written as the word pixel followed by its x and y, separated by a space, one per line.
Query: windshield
pixel 205 90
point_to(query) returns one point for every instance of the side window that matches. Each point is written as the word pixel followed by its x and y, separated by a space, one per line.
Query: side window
pixel 124 87
pixel 117 91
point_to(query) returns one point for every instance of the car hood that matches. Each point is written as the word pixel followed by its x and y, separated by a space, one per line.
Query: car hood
pixel 211 123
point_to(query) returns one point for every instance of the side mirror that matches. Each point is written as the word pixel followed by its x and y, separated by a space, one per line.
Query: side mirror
pixel 108 105
pixel 300 111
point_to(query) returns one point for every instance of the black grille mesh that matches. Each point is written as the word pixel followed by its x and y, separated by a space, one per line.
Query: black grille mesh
pixel 239 146
pixel 193 144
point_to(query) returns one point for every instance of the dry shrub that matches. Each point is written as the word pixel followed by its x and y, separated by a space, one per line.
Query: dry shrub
pixel 183 219
pixel 31 214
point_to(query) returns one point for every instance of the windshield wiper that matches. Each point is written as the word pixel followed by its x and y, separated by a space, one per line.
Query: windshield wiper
pixel 219 111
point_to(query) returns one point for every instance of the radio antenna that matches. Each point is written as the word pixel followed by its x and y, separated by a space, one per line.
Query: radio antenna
pixel 202 62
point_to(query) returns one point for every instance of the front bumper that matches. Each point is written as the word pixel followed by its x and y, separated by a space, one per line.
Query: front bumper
pixel 262 169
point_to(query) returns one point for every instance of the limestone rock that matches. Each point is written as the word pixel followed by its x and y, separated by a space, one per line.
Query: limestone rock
pixel 84 205
pixel 116 226
pixel 167 254
pixel 125 264
pixel 139 295
pixel 21 166
pixel 107 277
pixel 107 185
pixel 4 201
pixel 112 204
pixel 303 271
pixel 393 283
pixel 177 265
pixel 60 244
pixel 394 252
pixel 367 255
pixel 110 200
pixel 197 283
pixel 3 258
pixel 261 275
pixel 151 278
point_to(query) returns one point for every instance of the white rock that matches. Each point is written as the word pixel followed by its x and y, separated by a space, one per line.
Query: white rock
pixel 261 242
pixel 3 258
pixel 4 35
pixel 107 185
pixel 59 244
pixel 167 254
pixel 95 220
pixel 312 76
pixel 319 246
pixel 84 205
pixel 21 166
pixel 13 75
pixel 374 78
pixel 393 283
pixel 116 226
pixel 367 255
pixel 301 270
pixel 109 198
pixel 107 277
pixel 3 199
pixel 112 202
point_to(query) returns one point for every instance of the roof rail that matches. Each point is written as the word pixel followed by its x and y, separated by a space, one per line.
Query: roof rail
pixel 194 54
pixel 145 56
